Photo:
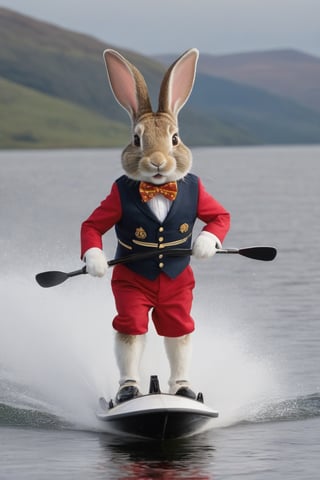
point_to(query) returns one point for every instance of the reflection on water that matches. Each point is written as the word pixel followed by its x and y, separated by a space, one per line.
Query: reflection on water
pixel 189 459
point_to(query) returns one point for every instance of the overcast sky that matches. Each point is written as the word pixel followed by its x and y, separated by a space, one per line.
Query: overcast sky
pixel 163 26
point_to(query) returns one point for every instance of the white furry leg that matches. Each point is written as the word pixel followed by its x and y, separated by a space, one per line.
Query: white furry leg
pixel 179 350
pixel 129 350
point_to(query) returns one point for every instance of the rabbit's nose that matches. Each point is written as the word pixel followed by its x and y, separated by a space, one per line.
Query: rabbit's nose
pixel 158 165
pixel 157 159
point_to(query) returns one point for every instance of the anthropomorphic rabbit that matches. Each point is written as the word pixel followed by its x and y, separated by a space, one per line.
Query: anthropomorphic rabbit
pixel 153 206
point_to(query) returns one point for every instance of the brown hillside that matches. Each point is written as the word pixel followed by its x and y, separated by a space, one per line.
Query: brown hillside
pixel 288 73
pixel 44 34
pixel 67 66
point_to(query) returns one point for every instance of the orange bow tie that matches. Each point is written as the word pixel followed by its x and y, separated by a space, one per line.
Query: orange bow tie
pixel 149 190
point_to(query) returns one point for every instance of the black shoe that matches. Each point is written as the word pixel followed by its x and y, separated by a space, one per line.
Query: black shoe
pixel 126 393
pixel 186 392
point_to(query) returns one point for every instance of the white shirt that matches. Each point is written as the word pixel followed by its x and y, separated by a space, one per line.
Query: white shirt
pixel 160 206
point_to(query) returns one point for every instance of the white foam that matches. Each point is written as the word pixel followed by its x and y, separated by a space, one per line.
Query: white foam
pixel 58 344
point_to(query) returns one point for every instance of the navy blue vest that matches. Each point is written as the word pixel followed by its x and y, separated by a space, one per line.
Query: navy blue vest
pixel 139 230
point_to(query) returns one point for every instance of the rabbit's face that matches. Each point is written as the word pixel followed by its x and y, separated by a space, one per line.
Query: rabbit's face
pixel 156 153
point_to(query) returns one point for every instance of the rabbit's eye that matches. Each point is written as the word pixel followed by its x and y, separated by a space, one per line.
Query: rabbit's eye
pixel 175 139
pixel 136 140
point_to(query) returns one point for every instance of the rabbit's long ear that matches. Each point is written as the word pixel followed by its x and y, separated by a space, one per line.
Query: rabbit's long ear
pixel 127 84
pixel 178 82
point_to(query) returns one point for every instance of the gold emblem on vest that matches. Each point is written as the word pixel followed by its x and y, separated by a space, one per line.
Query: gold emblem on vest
pixel 184 227
pixel 140 233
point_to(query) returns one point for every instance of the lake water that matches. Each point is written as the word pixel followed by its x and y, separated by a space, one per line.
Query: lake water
pixel 256 346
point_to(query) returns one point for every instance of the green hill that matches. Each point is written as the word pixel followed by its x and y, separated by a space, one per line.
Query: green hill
pixel 270 119
pixel 34 120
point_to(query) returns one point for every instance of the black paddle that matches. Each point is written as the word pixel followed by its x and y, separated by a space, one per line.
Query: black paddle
pixel 53 278
pixel 257 253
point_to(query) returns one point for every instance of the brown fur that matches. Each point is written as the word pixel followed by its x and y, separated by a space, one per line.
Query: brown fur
pixel 161 155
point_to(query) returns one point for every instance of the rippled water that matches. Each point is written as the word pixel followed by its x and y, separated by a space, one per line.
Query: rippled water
pixel 256 347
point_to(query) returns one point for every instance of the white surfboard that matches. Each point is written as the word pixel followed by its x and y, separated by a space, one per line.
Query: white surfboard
pixel 157 415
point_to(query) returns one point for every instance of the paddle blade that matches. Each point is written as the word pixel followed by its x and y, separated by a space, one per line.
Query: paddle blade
pixel 259 253
pixel 51 279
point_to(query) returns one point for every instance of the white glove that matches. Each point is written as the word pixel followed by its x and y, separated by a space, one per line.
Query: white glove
pixel 205 245
pixel 96 262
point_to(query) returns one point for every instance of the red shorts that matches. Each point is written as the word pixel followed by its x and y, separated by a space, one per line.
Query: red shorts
pixel 170 300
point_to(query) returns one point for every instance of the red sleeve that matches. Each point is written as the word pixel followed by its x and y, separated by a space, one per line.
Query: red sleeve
pixel 213 214
pixel 101 220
